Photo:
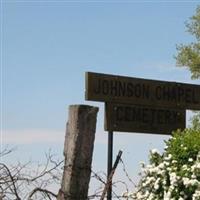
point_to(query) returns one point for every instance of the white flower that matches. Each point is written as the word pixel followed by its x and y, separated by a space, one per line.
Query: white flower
pixel 167 195
pixel 193 176
pixel 184 167
pixel 164 181
pixel 169 157
pixel 174 161
pixel 196 195
pixel 155 151
pixel 190 160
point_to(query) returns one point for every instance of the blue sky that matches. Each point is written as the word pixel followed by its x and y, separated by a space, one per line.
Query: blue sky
pixel 47 46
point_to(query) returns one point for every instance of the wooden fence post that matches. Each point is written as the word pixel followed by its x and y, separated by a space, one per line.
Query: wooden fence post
pixel 78 150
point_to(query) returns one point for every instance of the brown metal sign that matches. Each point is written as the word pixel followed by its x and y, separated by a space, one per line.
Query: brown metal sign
pixel 120 89
pixel 143 119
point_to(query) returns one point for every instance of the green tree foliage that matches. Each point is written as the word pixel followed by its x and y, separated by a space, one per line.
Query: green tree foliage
pixel 189 55
pixel 184 145
pixel 196 121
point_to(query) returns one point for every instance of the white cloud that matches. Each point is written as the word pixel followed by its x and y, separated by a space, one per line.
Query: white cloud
pixel 164 71
pixel 32 136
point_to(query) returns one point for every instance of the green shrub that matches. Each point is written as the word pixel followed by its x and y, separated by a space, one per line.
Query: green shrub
pixel 184 145
pixel 175 174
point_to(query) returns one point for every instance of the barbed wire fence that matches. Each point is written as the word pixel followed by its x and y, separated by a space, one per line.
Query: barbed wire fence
pixel 23 182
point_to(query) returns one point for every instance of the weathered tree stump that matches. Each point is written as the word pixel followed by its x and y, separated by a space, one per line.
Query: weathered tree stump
pixel 78 150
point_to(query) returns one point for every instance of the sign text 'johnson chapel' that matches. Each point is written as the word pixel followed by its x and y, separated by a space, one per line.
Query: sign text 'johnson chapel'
pixel 110 88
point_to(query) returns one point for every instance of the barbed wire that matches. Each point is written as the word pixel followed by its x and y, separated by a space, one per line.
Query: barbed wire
pixel 15 178
pixel 98 193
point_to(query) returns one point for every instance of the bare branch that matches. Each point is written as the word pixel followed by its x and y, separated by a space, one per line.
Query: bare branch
pixel 46 192
pixel 6 151
pixel 30 181
pixel 12 181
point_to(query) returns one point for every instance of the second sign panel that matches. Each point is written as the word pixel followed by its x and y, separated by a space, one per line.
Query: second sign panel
pixel 145 119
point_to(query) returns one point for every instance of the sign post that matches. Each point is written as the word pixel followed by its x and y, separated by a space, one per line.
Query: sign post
pixel 110 162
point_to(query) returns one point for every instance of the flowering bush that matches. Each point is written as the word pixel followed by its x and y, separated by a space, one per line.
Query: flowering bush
pixel 175 174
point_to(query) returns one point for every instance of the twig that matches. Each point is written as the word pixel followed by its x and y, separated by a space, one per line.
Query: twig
pixel 12 180
pixel 47 192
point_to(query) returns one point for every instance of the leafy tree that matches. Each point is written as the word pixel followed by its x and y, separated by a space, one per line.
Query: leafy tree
pixel 189 55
